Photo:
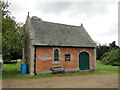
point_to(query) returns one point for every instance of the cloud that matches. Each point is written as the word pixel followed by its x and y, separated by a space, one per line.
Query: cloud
pixel 53 7
pixel 88 8
pixel 99 17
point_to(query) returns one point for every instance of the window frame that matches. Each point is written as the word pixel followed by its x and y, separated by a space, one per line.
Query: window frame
pixel 56 56
pixel 67 56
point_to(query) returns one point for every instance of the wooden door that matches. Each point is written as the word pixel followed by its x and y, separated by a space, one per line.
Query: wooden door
pixel 83 61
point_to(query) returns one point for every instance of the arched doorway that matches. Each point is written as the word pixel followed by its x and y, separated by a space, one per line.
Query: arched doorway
pixel 84 61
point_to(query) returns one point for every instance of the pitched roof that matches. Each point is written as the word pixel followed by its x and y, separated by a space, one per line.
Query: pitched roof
pixel 54 34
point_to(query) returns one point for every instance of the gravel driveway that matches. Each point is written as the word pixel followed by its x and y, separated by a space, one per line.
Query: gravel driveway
pixel 82 81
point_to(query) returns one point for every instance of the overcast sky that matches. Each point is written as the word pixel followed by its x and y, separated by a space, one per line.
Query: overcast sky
pixel 99 17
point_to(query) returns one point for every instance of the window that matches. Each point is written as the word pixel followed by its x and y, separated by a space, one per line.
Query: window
pixel 67 57
pixel 56 55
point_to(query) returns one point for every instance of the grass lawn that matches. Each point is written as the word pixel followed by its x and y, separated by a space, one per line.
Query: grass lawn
pixel 107 68
pixel 11 71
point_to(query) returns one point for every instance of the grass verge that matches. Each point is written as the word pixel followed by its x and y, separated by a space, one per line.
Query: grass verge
pixel 108 68
pixel 11 71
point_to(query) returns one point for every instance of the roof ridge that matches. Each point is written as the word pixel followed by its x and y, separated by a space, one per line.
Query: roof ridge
pixel 58 23
pixel 61 24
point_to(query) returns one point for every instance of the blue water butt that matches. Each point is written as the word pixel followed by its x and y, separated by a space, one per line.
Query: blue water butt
pixel 23 69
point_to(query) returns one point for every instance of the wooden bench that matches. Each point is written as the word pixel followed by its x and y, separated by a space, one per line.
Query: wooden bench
pixel 57 69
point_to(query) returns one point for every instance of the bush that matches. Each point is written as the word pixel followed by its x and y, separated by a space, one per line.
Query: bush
pixel 112 58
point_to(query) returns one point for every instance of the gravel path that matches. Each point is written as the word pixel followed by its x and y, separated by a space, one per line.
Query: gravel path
pixel 82 81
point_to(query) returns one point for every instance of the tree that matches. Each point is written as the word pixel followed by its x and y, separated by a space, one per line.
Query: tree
pixel 112 58
pixel 4 7
pixel 12 36
pixel 113 45
pixel 11 39
pixel 0 43
pixel 100 50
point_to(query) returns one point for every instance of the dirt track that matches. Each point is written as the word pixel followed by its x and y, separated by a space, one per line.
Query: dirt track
pixel 82 81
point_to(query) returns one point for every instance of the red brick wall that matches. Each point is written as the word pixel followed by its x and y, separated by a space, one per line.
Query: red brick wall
pixel 45 57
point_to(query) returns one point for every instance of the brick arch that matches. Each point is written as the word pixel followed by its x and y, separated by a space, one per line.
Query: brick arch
pixel 86 51
pixel 53 54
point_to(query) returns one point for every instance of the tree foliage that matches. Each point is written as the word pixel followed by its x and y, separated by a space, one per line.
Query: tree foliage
pixel 113 46
pixel 112 58
pixel 11 39
pixel 4 7
pixel 0 43
pixel 12 36
pixel 102 49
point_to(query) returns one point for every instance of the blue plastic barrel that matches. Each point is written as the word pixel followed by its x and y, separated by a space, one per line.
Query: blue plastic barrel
pixel 23 69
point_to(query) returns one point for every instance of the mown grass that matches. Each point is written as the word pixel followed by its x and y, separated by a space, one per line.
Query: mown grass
pixel 108 68
pixel 11 71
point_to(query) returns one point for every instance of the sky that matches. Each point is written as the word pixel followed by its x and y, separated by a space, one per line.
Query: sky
pixel 99 17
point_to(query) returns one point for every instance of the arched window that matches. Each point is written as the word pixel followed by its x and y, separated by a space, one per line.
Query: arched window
pixel 56 55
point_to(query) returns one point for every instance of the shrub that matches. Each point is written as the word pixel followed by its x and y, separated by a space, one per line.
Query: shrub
pixel 112 58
